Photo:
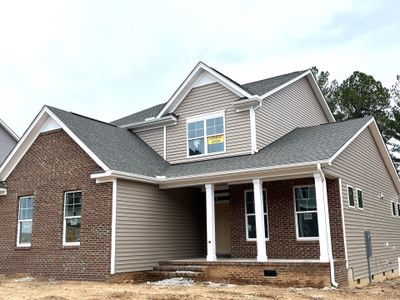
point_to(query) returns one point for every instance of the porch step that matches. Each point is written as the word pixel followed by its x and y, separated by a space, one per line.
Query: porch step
pixel 167 270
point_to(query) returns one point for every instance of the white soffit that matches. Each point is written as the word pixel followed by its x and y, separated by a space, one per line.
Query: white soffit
pixel 43 122
pixel 49 125
pixel 203 79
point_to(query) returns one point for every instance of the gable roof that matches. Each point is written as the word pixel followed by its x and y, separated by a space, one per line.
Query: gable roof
pixel 257 90
pixel 264 86
pixel 9 130
pixel 118 148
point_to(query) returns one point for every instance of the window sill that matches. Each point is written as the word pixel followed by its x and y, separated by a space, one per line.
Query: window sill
pixel 255 240
pixel 23 247
pixel 71 246
pixel 307 239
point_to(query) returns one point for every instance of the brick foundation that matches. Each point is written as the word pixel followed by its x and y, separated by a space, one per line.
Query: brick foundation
pixel 55 164
pixel 287 274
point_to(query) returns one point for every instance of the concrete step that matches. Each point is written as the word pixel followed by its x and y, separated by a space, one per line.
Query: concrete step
pixel 180 268
pixel 172 274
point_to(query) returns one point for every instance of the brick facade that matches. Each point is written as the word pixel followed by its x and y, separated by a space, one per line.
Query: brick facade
pixel 282 242
pixel 55 164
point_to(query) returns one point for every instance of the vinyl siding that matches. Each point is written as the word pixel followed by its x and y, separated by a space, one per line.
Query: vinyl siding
pixel 294 106
pixel 154 225
pixel 362 166
pixel 154 138
pixel 204 100
pixel 7 143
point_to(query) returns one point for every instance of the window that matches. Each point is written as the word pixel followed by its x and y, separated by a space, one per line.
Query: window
pixel 206 136
pixel 360 200
pixel 350 194
pixel 25 208
pixel 398 209
pixel 393 209
pixel 306 212
pixel 72 218
pixel 251 215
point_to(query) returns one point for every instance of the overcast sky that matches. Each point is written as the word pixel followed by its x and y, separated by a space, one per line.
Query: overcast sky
pixel 107 59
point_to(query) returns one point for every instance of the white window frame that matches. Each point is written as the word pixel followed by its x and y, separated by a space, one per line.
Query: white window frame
pixel 264 214
pixel 204 118
pixel 348 196
pixel 358 203
pixel 301 238
pixel 398 210
pixel 395 213
pixel 27 220
pixel 69 244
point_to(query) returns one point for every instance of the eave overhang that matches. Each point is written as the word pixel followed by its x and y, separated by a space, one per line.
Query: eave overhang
pixel 152 123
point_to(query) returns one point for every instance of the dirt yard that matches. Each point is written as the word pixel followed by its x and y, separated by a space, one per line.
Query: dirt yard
pixel 33 289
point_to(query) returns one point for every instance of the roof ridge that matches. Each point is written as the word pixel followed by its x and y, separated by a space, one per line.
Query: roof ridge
pixel 82 116
pixel 268 78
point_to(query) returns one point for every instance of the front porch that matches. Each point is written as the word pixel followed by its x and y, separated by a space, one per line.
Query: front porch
pixel 294 272
pixel 274 237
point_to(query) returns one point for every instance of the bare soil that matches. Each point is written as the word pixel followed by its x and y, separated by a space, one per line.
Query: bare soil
pixel 12 288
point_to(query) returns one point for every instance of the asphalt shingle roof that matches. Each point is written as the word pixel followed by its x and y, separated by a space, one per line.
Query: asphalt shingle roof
pixel 259 88
pixel 139 116
pixel 118 148
pixel 122 150
pixel 301 145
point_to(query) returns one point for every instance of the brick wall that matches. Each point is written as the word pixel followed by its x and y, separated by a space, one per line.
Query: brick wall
pixel 55 164
pixel 282 229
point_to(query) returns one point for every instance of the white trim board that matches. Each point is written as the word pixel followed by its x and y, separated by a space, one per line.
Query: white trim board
pixel 191 81
pixel 9 130
pixel 41 121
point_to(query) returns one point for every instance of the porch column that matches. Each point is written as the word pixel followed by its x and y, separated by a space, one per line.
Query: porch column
pixel 210 210
pixel 322 212
pixel 260 226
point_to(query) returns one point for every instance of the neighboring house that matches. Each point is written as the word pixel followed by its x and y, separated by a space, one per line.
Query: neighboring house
pixel 243 183
pixel 8 139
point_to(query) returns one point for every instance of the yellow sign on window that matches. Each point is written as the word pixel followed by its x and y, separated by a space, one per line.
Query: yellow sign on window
pixel 216 139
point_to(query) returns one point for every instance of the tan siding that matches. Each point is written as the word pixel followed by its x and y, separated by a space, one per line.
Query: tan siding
pixel 294 106
pixel 203 100
pixel 154 138
pixel 362 166
pixel 154 225
pixel 7 143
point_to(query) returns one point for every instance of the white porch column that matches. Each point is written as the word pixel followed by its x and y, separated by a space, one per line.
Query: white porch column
pixel 260 226
pixel 210 210
pixel 322 212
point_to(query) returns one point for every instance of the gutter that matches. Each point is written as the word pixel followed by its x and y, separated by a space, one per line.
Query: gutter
pixel 151 123
pixel 328 229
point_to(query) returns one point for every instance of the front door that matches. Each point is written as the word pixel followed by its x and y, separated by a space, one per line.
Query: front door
pixel 222 228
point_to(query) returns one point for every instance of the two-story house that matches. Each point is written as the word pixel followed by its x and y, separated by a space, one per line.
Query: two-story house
pixel 8 139
pixel 250 183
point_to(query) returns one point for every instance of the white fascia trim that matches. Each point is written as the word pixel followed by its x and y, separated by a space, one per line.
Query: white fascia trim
pixel 243 171
pixel 350 140
pixel 267 94
pixel 113 225
pixel 30 136
pixel 110 175
pixel 183 89
pixel 385 154
pixel 152 123
pixel 3 192
pixel 376 134
pixel 78 141
pixel 324 104
pixel 9 130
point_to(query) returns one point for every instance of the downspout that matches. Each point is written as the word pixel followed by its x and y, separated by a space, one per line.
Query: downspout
pixel 328 229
